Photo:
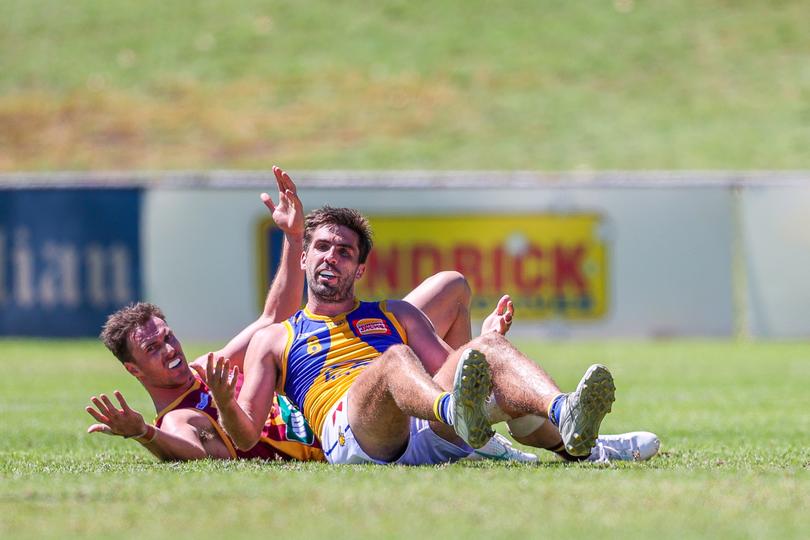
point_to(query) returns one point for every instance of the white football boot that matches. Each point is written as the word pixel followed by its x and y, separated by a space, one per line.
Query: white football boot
pixel 632 446
pixel 471 388
pixel 584 408
pixel 499 448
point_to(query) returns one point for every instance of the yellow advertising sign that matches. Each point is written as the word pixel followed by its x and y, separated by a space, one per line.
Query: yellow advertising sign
pixel 553 265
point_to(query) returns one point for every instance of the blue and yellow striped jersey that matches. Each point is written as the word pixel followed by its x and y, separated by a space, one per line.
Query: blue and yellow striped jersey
pixel 324 355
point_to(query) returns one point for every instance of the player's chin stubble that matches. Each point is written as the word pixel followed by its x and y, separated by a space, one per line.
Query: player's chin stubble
pixel 343 290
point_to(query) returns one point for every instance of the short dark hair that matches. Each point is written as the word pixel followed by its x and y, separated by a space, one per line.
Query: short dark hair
pixel 115 333
pixel 348 217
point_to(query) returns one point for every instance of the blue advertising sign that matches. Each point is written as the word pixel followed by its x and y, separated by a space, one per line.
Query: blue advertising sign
pixel 68 257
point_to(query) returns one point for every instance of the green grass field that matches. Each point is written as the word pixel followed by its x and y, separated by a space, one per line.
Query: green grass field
pixel 733 419
pixel 538 85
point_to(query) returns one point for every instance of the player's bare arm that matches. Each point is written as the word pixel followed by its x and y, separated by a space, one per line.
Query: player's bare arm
pixel 200 437
pixel 176 440
pixel 284 297
pixel 244 418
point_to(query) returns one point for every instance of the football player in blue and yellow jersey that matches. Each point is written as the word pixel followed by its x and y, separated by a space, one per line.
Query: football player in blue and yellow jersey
pixel 354 369
pixel 338 356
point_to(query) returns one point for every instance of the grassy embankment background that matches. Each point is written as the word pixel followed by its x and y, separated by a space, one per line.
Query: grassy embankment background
pixel 545 85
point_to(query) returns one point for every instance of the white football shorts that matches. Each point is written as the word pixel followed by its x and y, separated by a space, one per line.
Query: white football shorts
pixel 424 446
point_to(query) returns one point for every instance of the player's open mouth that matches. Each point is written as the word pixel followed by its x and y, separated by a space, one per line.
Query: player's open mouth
pixel 174 363
pixel 327 275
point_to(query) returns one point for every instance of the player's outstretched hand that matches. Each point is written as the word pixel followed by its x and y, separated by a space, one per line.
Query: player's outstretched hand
pixel 288 215
pixel 125 422
pixel 220 378
pixel 500 320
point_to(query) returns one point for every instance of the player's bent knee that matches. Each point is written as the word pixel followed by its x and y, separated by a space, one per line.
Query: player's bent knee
pixel 399 353
pixel 455 282
pixel 488 342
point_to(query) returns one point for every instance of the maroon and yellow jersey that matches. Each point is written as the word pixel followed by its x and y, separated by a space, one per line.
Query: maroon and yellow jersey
pixel 324 355
pixel 286 434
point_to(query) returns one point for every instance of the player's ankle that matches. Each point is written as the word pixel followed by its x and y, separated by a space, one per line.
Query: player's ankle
pixel 443 408
pixel 560 451
pixel 555 409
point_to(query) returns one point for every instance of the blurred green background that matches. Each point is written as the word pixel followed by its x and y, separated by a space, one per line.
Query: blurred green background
pixel 538 85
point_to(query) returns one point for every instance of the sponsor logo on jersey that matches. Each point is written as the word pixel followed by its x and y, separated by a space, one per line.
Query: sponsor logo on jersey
pixel 296 424
pixel 371 326
pixel 205 399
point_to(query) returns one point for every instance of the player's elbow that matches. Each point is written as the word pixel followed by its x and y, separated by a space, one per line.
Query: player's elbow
pixel 240 427
pixel 245 445
pixel 246 440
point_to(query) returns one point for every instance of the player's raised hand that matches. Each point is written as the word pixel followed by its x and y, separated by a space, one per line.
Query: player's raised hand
pixel 124 422
pixel 288 215
pixel 220 378
pixel 500 320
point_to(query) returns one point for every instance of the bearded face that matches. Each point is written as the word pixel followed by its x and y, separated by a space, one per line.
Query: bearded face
pixel 331 264
pixel 327 284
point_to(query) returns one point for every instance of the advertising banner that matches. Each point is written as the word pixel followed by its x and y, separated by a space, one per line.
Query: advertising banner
pixel 554 265
pixel 586 262
pixel 68 257
pixel 605 255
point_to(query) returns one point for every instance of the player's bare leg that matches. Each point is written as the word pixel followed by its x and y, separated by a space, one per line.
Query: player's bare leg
pixel 396 387
pixel 445 298
pixel 383 398
pixel 522 388
pixel 546 436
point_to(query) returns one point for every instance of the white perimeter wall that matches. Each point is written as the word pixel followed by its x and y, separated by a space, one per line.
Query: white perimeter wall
pixel 776 236
pixel 669 251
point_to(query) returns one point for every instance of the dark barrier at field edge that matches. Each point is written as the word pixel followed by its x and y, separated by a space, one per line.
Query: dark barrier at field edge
pixel 68 257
